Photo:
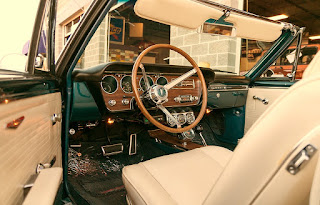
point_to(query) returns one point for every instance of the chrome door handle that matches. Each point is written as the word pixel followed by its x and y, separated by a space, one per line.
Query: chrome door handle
pixel 265 101
pixel 56 118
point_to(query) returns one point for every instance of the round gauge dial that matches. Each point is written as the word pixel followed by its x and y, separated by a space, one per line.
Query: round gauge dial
pixel 190 117
pixel 126 85
pixel 142 83
pixel 181 119
pixel 170 122
pixel 109 84
pixel 162 80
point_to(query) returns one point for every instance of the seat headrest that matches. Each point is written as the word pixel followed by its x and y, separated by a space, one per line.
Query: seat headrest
pixel 313 68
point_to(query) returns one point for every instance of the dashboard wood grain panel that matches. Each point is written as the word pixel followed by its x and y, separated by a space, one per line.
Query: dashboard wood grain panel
pixel 165 137
pixel 120 95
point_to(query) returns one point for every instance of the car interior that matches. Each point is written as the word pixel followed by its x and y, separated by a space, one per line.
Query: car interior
pixel 212 111
pixel 158 125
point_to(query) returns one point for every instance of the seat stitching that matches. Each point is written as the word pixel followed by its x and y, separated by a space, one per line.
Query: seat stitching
pixel 211 157
pixel 158 182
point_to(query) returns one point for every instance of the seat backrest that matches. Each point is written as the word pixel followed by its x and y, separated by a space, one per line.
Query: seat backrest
pixel 257 172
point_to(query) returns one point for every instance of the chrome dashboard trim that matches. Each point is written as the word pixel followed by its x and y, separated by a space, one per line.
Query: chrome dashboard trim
pixel 161 76
pixel 221 87
pixel 121 83
pixel 116 81
pixel 193 84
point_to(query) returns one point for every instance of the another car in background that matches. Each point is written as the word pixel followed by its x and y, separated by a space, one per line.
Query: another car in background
pixel 283 65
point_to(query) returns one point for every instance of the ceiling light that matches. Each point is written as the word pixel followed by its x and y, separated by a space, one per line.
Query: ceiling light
pixel 278 17
pixel 314 37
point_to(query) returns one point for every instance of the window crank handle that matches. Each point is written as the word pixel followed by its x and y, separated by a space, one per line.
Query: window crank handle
pixel 265 101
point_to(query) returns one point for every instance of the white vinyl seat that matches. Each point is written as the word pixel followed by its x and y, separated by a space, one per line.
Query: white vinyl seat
pixel 255 173
pixel 176 178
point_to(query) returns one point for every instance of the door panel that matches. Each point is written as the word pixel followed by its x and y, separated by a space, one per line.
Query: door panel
pixel 35 141
pixel 255 108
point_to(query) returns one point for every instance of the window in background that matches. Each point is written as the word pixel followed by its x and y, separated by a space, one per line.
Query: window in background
pixel 70 27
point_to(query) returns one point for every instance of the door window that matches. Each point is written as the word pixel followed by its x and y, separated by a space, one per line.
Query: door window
pixel 17 22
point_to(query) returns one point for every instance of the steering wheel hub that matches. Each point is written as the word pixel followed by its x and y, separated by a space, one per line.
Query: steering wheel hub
pixel 158 94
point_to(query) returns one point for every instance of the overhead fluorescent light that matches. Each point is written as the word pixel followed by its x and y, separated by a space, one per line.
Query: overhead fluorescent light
pixel 278 17
pixel 314 37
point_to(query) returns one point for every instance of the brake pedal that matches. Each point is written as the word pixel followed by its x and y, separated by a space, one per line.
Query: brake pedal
pixel 133 144
pixel 113 149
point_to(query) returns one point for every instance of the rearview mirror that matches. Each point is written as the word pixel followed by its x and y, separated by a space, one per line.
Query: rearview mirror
pixel 218 29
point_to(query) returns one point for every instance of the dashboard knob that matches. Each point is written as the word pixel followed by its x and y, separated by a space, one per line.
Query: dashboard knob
pixel 177 99
pixel 125 102
pixel 112 102
pixel 195 98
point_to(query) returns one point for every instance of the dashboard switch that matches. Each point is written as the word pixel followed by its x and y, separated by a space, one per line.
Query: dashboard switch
pixel 195 98
pixel 125 102
pixel 112 102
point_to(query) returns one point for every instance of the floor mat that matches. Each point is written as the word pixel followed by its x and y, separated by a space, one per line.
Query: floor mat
pixel 97 179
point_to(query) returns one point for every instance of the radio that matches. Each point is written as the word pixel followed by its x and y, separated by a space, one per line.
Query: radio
pixel 186 98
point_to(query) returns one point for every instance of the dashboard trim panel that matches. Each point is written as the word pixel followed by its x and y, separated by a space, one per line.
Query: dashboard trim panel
pixel 119 95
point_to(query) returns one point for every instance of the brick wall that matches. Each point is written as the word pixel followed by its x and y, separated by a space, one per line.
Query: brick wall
pixel 95 52
pixel 66 11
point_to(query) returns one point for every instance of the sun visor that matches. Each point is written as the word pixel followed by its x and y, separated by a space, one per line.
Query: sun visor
pixel 192 14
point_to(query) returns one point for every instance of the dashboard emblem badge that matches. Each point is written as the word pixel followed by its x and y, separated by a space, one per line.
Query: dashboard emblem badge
pixel 161 92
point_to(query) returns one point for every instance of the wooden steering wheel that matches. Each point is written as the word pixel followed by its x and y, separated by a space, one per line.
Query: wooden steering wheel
pixel 158 94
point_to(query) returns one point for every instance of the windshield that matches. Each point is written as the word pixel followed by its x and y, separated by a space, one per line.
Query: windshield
pixel 123 35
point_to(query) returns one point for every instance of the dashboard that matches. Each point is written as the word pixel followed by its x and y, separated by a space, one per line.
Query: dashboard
pixel 106 90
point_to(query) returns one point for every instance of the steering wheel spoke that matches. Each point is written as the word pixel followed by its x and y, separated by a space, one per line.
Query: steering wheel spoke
pixel 180 79
pixel 168 114
pixel 144 75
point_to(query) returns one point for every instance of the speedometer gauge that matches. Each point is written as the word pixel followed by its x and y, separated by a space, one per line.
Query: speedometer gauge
pixel 126 85
pixel 162 80
pixel 109 84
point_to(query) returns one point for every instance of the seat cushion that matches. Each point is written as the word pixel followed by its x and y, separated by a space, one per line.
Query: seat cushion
pixel 182 178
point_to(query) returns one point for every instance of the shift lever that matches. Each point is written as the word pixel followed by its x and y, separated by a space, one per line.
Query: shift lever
pixel 199 130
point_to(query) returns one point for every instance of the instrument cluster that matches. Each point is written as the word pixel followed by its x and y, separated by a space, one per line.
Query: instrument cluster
pixel 184 116
pixel 110 84
pixel 117 91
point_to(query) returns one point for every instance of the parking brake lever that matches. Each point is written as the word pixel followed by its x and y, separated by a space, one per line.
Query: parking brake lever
pixel 199 130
